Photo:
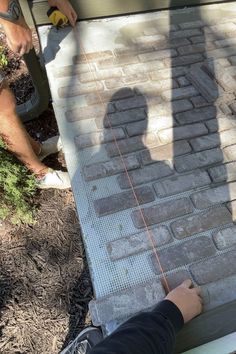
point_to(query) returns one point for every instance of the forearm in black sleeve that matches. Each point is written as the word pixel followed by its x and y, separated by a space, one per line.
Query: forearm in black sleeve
pixel 147 333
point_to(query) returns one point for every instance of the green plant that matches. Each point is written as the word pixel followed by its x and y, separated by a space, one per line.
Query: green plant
pixel 17 187
pixel 3 58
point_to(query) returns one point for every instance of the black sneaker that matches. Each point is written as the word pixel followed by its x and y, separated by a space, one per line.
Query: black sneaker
pixel 84 342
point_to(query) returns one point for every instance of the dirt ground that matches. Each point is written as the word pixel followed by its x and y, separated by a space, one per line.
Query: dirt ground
pixel 45 285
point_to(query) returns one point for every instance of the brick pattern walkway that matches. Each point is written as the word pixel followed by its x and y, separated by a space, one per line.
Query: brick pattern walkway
pixel 170 99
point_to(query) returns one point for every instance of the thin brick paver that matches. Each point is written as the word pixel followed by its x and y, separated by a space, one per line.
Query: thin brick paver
pixel 153 98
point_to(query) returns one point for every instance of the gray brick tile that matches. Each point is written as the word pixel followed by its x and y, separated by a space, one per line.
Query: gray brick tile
pixel 145 174
pixel 116 306
pixel 181 106
pixel 230 153
pixel 193 24
pixel 107 135
pixel 217 195
pixel 165 211
pixel 203 83
pixel 196 115
pixel 221 53
pixel 142 40
pixel 198 160
pixel 183 81
pixel 123 201
pixel 71 70
pixel 118 61
pixel 133 144
pixel 225 42
pixel 129 103
pixel 222 173
pixel 185 33
pixel 179 93
pixel 184 60
pixel 223 77
pixel 199 101
pixel 222 27
pixel 110 168
pixel 126 80
pixel 205 142
pixel 181 183
pixel 176 278
pixel 225 238
pixel 119 118
pixel 143 67
pixel 213 269
pixel 88 112
pixel 153 124
pixel 228 137
pixel 183 254
pixel 167 73
pixel 92 56
pixel 140 242
pixel 232 208
pixel 157 55
pixel 197 223
pixel 107 96
pixel 195 48
pixel 101 75
pixel 165 152
pixel 184 132
pixel 221 123
pixel 79 89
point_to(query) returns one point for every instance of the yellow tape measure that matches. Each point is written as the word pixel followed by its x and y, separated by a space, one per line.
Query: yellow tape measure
pixel 57 18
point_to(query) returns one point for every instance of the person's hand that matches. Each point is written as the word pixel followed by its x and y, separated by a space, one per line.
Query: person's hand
pixel 188 301
pixel 19 36
pixel 66 8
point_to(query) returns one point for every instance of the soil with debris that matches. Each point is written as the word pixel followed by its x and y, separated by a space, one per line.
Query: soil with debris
pixel 45 285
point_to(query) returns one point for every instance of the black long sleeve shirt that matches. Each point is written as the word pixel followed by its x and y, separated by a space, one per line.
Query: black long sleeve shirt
pixel 147 333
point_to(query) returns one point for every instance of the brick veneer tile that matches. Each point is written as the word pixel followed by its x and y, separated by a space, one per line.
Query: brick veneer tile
pixel 122 201
pixel 184 60
pixel 205 142
pixel 209 197
pixel 133 144
pixel 101 75
pixel 145 174
pixel 129 103
pixel 192 24
pixel 184 132
pixel 88 112
pixel 221 123
pixel 162 212
pixel 225 238
pixel 199 101
pixel 118 61
pixel 167 73
pixel 176 278
pixel 185 33
pixel 71 70
pixel 197 223
pixel 230 153
pixel 222 173
pixel 157 55
pixel 140 242
pixel 92 56
pixel 221 53
pixel 196 115
pixel 119 118
pixel 179 93
pixel 107 135
pixel 115 306
pixel 183 254
pixel 153 124
pixel 204 84
pixel 110 168
pixel 195 48
pixel 79 89
pixel 183 81
pixel 198 160
pixel 213 269
pixel 165 152
pixel 181 183
pixel 223 27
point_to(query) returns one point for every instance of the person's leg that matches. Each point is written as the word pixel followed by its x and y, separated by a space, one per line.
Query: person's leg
pixel 15 136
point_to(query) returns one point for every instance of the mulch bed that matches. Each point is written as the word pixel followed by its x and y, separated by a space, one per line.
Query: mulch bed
pixel 45 285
